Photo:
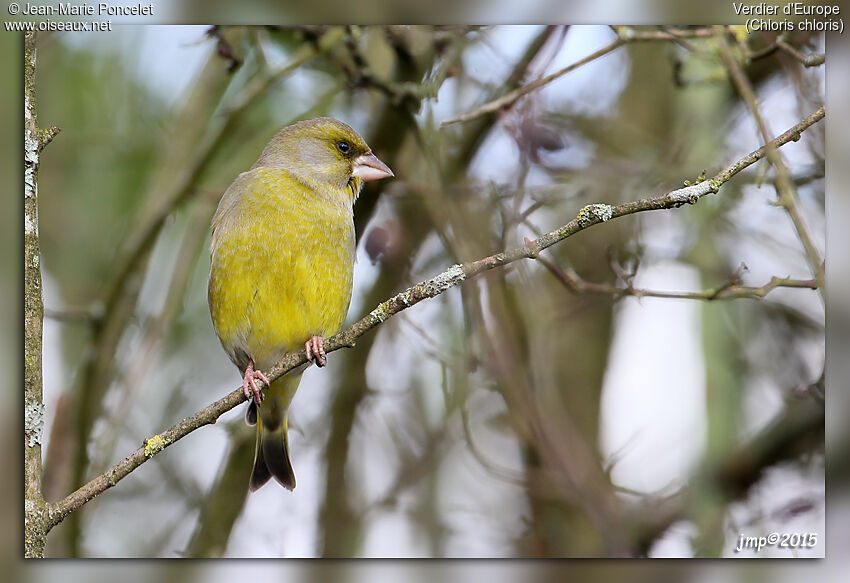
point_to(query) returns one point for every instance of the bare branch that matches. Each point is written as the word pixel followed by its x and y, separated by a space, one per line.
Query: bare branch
pixel 35 139
pixel 628 33
pixel 152 446
pixel 730 290
pixel 810 60
pixel 625 35
pixel 510 98
pixel 784 185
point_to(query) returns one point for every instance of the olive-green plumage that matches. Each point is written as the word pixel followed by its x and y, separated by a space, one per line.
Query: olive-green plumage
pixel 282 263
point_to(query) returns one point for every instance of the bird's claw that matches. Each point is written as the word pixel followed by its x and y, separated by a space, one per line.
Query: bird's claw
pixel 314 348
pixel 249 384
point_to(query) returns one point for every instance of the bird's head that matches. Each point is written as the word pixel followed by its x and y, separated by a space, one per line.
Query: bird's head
pixel 326 151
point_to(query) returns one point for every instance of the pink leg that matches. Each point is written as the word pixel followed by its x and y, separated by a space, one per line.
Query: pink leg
pixel 249 384
pixel 315 350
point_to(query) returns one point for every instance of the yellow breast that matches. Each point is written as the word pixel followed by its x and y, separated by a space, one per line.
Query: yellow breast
pixel 281 266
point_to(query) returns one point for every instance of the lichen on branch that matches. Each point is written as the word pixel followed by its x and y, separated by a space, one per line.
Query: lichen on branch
pixel 35 139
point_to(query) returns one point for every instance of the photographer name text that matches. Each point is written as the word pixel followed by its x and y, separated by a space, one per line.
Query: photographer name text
pixel 99 9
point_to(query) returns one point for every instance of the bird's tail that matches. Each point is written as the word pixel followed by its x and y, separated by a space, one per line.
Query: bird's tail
pixel 271 457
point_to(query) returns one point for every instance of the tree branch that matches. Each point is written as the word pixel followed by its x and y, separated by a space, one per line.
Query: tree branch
pixel 35 139
pixel 625 35
pixel 732 289
pixel 510 98
pixel 810 60
pixel 628 33
pixel 456 274
pixel 784 185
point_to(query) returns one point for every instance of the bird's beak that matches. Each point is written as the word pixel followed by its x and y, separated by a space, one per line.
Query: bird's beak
pixel 368 167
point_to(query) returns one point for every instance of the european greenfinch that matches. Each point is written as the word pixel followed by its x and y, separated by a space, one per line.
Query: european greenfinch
pixel 282 261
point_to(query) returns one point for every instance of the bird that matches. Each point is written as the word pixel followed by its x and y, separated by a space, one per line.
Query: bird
pixel 281 268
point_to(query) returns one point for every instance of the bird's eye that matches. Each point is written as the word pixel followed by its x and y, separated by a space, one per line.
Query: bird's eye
pixel 343 146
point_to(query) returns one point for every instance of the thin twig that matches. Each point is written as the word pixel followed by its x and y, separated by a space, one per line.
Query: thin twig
pixel 574 282
pixel 510 98
pixel 762 52
pixel 625 35
pixel 590 215
pixel 669 33
pixel 500 472
pixel 73 316
pixel 154 331
pixel 810 60
pixel 784 185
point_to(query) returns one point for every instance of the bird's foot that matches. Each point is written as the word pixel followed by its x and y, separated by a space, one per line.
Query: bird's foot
pixel 249 383
pixel 314 348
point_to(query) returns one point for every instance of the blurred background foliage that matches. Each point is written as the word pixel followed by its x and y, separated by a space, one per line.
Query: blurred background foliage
pixel 513 417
